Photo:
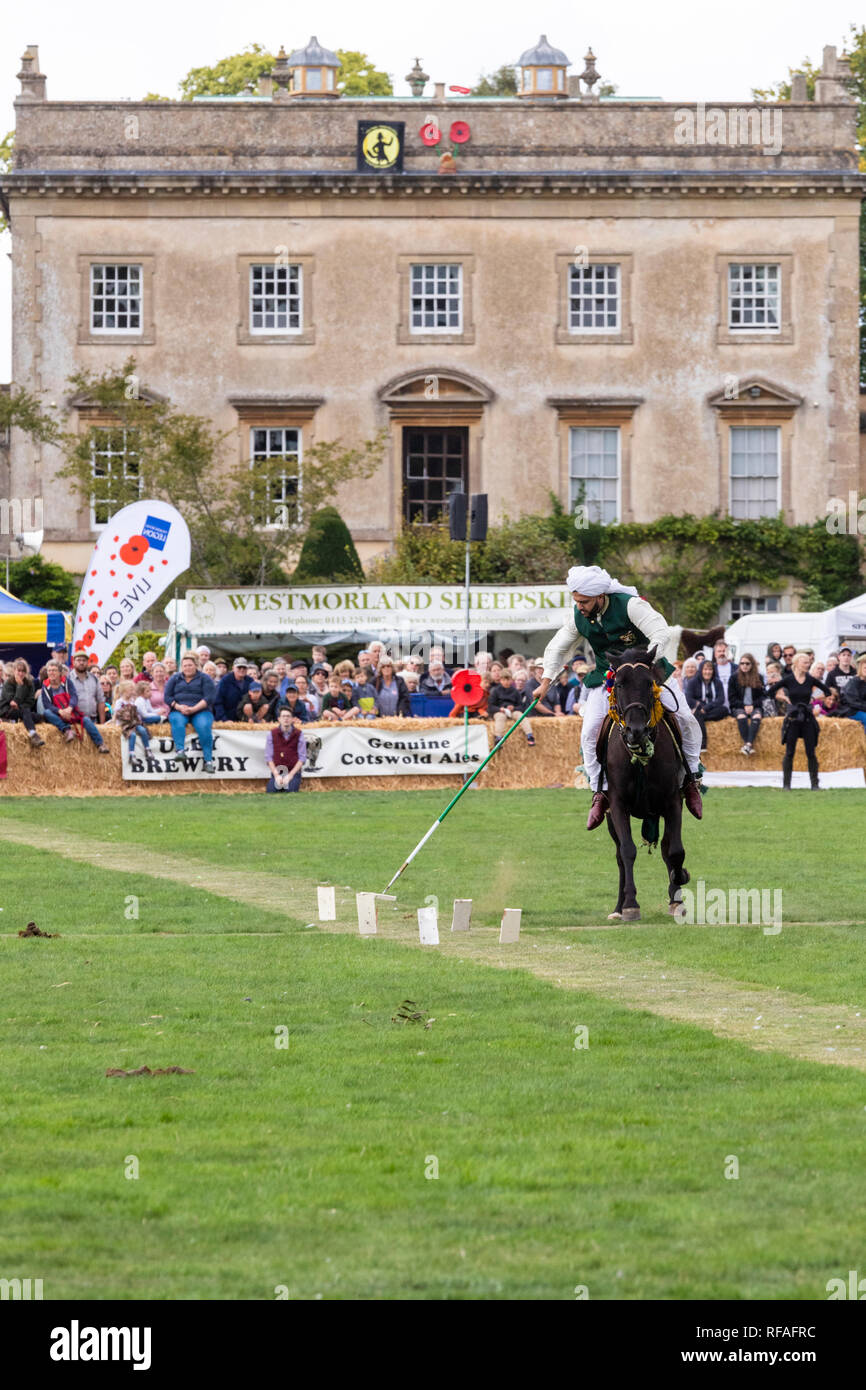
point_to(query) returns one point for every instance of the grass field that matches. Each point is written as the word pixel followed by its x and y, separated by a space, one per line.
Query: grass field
pixel 189 938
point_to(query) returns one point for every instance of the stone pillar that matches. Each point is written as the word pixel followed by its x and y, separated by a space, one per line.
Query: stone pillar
pixel 798 87
pixel 31 79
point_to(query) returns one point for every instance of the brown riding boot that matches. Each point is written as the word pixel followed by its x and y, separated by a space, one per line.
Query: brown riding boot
pixel 596 811
pixel 692 798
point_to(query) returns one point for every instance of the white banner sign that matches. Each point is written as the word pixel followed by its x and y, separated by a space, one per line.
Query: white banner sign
pixel 236 753
pixel 142 550
pixel 346 750
pixel 369 607
pixel 353 750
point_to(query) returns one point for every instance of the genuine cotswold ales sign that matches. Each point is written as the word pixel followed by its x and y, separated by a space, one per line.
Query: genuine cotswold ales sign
pixel 213 612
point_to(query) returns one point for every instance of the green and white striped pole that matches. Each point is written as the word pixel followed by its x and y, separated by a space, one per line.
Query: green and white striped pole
pixel 453 802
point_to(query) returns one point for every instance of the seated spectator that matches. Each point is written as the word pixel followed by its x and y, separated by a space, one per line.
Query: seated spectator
pixel 496 669
pixel 690 668
pixel 482 662
pixel 677 673
pixel 826 706
pixel 112 673
pixel 437 657
pixel 271 695
pixel 282 672
pixel 253 670
pixel 706 698
pixel 285 753
pixel 556 698
pixel 298 667
pixel 57 702
pixel 107 693
pixel 148 713
pixel 724 667
pixel 158 678
pixel 746 694
pixel 831 664
pixel 436 682
pixel 318 686
pixel 774 653
pixel 335 704
pixel 365 692
pixel 776 706
pixel 536 674
pixel 294 704
pixel 504 703
pixel 125 714
pixel 209 669
pixel 60 654
pixel 254 707
pixel 127 669
pixel 378 653
pixel 221 664
pixel 203 654
pixel 844 672
pixel 789 651
pixel 853 702
pixel 18 699
pixel 171 665
pixel 147 664
pixel 190 696
pixel 344 670
pixel 575 677
pixel 231 690
pixel 411 680
pixel 318 655
pixel 392 693
pixel 817 669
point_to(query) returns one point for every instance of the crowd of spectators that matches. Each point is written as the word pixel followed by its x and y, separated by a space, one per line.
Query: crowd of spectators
pixel 285 694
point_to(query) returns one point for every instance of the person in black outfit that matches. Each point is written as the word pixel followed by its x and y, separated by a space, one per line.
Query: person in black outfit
pixel 799 722
pixel 745 694
pixel 705 698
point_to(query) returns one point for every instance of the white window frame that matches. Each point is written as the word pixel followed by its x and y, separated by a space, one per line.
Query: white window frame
pixel 423 330
pixel 734 276
pixel 574 481
pixel 749 603
pixel 733 432
pixel 580 279
pixel 272 294
pixel 273 503
pixel 125 454
pixel 116 266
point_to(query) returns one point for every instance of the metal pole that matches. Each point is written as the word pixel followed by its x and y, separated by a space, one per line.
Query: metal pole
pixel 466 637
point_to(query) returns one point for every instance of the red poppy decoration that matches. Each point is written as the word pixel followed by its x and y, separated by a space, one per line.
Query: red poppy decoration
pixel 466 690
pixel 460 132
pixel 430 133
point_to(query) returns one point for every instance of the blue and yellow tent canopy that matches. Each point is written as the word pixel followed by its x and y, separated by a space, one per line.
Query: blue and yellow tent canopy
pixel 21 624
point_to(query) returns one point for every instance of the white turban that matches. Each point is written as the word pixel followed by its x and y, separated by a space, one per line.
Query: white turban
pixel 592 580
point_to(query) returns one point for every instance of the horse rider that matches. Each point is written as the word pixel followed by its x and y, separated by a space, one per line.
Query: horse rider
pixel 612 617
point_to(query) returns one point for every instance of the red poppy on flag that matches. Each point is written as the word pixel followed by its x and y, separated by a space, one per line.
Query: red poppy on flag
pixel 466 689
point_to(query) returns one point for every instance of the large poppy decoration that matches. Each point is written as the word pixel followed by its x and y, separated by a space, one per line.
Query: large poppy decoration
pixel 460 132
pixel 466 689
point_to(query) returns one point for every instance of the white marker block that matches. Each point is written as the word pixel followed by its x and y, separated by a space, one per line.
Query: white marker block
pixel 461 914
pixel 510 928
pixel 367 916
pixel 327 904
pixel 428 926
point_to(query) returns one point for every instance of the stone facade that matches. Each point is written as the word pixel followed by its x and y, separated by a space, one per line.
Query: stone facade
pixel 195 193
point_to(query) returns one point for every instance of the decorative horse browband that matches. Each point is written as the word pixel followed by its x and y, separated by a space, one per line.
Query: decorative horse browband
pixel 655 714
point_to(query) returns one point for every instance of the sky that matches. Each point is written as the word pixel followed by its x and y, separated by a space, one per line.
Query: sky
pixel 675 49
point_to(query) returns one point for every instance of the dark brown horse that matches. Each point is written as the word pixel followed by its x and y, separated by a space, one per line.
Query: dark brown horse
pixel 643 777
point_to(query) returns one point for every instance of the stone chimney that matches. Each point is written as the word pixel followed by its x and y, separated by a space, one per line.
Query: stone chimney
pixel 798 87
pixel 31 79
pixel 438 91
pixel 830 83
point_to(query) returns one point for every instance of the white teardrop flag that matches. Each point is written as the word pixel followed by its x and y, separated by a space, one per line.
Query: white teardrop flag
pixel 141 551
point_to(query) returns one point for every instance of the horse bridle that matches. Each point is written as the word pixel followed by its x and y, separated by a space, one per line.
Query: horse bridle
pixel 639 751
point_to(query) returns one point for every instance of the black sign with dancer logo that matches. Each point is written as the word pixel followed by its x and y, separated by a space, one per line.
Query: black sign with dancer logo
pixel 380 146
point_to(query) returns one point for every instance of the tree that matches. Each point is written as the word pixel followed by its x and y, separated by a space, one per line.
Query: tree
pixel 230 76
pixel 45 585
pixel 243 519
pixel 358 77
pixel 502 83
pixel 328 554
pixel 781 91
pixel 5 164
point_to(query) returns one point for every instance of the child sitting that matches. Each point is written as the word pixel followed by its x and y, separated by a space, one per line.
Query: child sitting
pixel 339 702
pixel 126 714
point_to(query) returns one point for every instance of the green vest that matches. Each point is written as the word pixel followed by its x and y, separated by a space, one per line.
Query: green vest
pixel 610 634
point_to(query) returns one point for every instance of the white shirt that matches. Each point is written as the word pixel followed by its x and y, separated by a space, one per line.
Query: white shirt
pixel 561 648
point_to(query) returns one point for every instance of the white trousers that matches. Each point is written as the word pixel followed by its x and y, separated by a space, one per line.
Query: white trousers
pixel 673 699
